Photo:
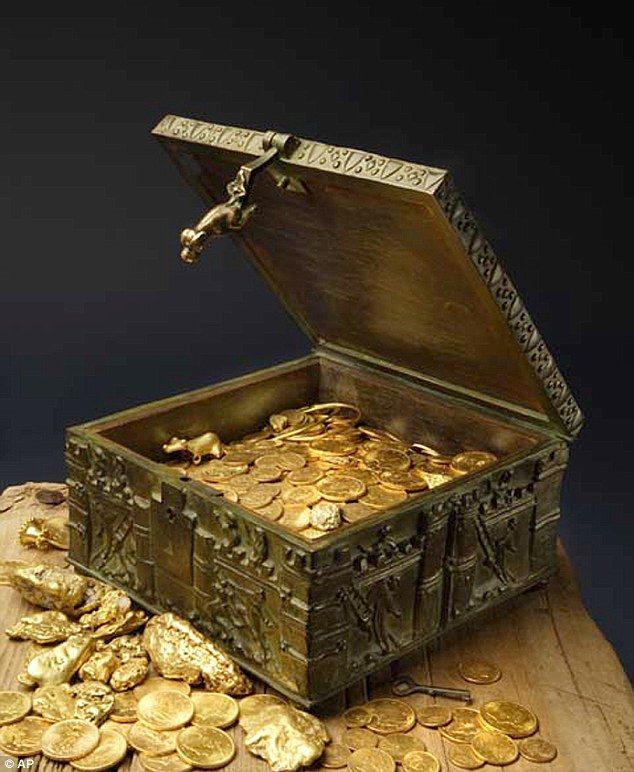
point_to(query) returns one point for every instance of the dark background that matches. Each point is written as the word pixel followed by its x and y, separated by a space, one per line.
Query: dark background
pixel 97 313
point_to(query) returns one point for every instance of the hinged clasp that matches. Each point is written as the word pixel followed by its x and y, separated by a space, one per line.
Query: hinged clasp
pixel 232 214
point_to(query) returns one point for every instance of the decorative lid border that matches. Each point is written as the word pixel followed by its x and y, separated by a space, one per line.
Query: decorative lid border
pixel 419 178
pixel 511 305
pixel 308 153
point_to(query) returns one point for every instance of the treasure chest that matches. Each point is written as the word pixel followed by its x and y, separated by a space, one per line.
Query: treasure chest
pixel 412 320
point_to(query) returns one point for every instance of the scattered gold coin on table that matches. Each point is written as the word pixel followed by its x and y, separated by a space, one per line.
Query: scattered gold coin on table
pixel 214 709
pixel 495 748
pixel 170 763
pixel 399 745
pixel 463 727
pixel 109 753
pixel 508 717
pixel 389 715
pixel 164 709
pixel 205 747
pixel 464 757
pixel 150 741
pixel 433 716
pixel 24 738
pixel 371 760
pixel 537 750
pixel 13 706
pixel 356 737
pixel 479 671
pixel 70 739
pixel 358 716
pixel 335 756
pixel 421 761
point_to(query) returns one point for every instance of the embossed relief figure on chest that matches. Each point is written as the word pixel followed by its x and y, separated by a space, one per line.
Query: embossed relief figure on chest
pixel 415 323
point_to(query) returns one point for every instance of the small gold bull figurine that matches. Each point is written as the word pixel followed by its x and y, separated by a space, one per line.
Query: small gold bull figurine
pixel 207 444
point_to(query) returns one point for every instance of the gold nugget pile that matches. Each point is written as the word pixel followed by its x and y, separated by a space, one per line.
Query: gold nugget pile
pixel 314 468
pixel 102 687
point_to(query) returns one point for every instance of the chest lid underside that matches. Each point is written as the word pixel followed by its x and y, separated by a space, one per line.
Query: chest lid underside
pixel 379 259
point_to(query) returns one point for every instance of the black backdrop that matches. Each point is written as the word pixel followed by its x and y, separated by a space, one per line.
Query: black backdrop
pixel 97 312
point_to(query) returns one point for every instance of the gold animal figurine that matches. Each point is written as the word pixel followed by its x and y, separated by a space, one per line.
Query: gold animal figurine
pixel 230 215
pixel 207 444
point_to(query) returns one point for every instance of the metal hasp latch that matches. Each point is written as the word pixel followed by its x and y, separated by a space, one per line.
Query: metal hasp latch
pixel 232 214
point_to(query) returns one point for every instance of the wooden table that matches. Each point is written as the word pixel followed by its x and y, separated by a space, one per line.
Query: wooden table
pixel 553 657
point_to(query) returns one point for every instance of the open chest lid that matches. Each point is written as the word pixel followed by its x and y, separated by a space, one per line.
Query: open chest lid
pixel 379 259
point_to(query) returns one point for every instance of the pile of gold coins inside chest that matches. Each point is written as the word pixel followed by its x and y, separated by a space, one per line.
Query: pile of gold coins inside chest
pixel 315 468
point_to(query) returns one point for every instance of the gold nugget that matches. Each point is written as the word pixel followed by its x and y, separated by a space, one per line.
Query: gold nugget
pixel 54 703
pixel 178 650
pixel 129 674
pixel 99 666
pixel 44 627
pixel 50 587
pixel 285 737
pixel 94 701
pixel 58 665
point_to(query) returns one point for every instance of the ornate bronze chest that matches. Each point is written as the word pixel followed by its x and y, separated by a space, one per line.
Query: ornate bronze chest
pixel 414 321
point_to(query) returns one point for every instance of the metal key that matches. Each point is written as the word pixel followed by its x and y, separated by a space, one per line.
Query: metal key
pixel 404 685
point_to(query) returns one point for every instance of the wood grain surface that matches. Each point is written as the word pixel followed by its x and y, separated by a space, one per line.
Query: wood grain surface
pixel 553 657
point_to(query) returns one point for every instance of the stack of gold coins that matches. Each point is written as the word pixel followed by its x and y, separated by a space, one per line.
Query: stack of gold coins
pixel 315 468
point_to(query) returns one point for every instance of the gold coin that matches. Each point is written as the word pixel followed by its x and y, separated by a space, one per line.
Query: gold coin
pixel 463 756
pixel 170 763
pixel 214 709
pixel 231 496
pixel 258 496
pixel 238 457
pixel 217 470
pixel 151 742
pixel 312 533
pixel 290 460
pixel 341 487
pixel 471 461
pixel 389 715
pixel 307 475
pixel 124 708
pixel 110 752
pixel 335 756
pixel 165 710
pixel 13 706
pixel 266 473
pixel 250 706
pixel 358 716
pixel 356 737
pixel 272 511
pixel 409 480
pixel 24 738
pixel 495 748
pixel 352 513
pixel 301 495
pixel 378 497
pixel 158 683
pixel 386 458
pixel 399 745
pixel 464 726
pixel 205 747
pixel 70 739
pixel 421 761
pixel 122 728
pixel 509 717
pixel 433 716
pixel 371 760
pixel 479 671
pixel 240 483
pixel 537 750
pixel 296 518
pixel 332 446
pixel 366 476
